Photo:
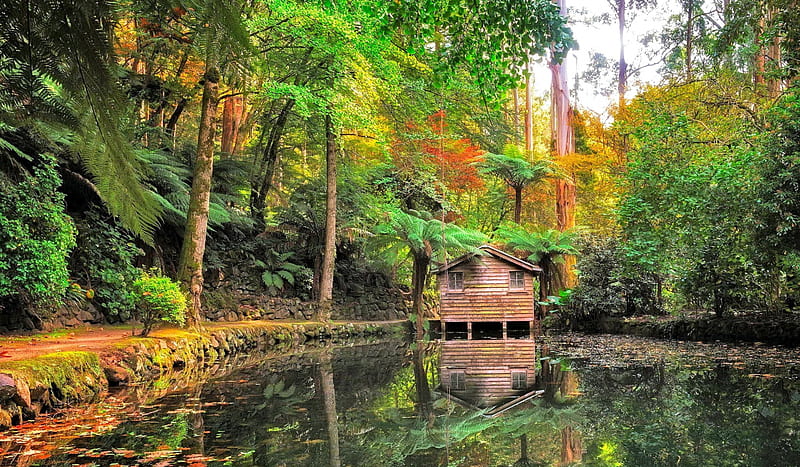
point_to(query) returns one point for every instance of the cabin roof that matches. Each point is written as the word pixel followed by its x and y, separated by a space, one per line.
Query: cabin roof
pixel 494 252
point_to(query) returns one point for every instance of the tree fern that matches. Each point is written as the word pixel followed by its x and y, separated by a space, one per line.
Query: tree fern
pixel 56 67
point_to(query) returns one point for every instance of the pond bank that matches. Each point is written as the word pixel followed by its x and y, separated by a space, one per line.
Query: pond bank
pixel 41 383
pixel 780 329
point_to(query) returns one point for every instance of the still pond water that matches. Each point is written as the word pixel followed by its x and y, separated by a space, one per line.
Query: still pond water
pixel 565 400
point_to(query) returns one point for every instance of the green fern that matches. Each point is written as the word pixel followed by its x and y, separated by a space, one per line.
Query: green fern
pixel 56 66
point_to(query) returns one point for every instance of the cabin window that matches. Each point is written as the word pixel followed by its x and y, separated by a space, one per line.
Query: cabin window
pixel 455 281
pixel 457 381
pixel 519 379
pixel 516 280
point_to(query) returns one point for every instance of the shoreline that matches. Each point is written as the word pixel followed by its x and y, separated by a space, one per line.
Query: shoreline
pixel 41 383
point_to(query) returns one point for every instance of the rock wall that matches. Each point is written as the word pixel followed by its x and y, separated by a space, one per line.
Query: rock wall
pixel 378 304
pixel 67 316
pixel 29 387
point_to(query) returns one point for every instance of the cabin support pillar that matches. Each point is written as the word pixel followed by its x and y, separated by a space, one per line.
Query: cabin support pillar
pixel 505 330
pixel 444 329
pixel 469 330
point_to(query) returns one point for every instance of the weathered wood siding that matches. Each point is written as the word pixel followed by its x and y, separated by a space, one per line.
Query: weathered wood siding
pixel 486 295
pixel 487 367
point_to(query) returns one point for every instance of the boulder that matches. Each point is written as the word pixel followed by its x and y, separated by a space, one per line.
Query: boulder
pixel 15 390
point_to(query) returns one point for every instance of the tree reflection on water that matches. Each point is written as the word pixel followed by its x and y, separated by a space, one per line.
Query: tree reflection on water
pixel 388 403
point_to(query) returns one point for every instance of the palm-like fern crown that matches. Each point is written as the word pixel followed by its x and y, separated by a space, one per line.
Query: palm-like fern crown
pixel 515 170
pixel 427 237
pixel 538 243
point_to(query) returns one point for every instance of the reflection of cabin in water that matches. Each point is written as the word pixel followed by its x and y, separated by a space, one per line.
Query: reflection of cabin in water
pixel 488 373
pixel 487 296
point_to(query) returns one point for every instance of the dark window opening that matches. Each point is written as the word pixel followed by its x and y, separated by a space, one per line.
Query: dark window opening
pixel 487 330
pixel 519 379
pixel 455 281
pixel 455 331
pixel 458 381
pixel 519 329
pixel 516 280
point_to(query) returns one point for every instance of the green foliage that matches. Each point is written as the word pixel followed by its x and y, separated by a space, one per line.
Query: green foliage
pixel 689 159
pixel 158 298
pixel 424 236
pixel 541 244
pixel 546 247
pixel 58 69
pixel 515 170
pixel 104 261
pixel 277 270
pixel 600 291
pixel 493 39
pixel 36 237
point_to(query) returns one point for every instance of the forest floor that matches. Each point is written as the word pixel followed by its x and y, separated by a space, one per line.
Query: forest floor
pixel 99 338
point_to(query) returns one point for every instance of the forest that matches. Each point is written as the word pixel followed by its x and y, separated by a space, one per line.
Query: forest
pixel 160 156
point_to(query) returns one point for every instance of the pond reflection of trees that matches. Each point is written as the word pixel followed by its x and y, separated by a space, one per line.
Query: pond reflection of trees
pixel 386 404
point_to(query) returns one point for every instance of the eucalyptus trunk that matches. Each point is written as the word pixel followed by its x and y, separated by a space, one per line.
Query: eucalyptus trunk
pixel 329 252
pixel 529 113
pixel 564 144
pixel 190 266
pixel 622 79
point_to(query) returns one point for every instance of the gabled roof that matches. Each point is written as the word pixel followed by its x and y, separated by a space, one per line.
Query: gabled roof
pixel 494 252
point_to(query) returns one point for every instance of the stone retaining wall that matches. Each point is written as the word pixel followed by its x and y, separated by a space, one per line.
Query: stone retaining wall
pixel 29 387
pixel 380 304
pixel 747 328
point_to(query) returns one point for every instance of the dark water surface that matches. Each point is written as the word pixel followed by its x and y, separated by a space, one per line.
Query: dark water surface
pixel 565 400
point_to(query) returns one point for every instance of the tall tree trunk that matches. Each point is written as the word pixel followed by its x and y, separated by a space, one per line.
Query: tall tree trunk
pixel 529 113
pixel 329 249
pixel 564 142
pixel 263 176
pixel 419 279
pixel 689 38
pixel 622 81
pixel 329 401
pixel 774 84
pixel 515 98
pixel 190 265
pixel 232 111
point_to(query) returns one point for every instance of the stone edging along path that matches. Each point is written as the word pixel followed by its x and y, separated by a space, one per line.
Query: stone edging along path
pixel 41 383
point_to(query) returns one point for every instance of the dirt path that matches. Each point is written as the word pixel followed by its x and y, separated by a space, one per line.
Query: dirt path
pixel 89 339
pixel 99 338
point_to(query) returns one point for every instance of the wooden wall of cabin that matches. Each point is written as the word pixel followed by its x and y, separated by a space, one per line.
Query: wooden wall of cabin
pixel 486 295
pixel 487 368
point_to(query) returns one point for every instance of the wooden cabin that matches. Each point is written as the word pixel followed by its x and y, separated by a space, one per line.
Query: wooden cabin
pixel 494 374
pixel 487 296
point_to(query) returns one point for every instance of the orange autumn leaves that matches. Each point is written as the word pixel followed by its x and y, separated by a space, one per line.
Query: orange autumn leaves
pixel 451 159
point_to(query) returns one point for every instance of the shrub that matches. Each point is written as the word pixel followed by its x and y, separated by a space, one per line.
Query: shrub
pixel 104 262
pixel 158 298
pixel 35 239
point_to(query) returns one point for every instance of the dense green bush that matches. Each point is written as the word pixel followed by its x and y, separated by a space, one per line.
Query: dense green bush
pixel 600 291
pixel 158 298
pixel 35 239
pixel 104 261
